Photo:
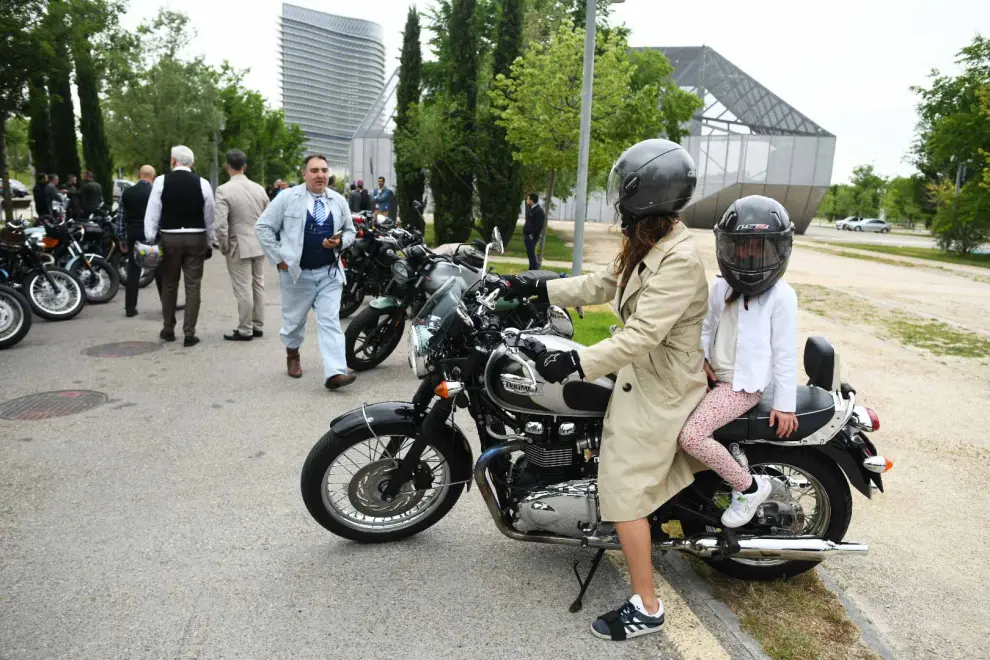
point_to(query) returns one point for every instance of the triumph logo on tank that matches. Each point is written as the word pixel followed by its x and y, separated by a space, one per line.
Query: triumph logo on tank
pixel 522 386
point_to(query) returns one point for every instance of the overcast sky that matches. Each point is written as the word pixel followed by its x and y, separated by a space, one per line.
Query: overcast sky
pixel 847 66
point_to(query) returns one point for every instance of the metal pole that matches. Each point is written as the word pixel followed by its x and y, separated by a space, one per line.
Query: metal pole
pixel 215 170
pixel 584 145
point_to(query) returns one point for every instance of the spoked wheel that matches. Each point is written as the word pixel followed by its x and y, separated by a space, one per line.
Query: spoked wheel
pixel 100 280
pixel 58 303
pixel 810 497
pixel 15 317
pixel 372 336
pixel 343 481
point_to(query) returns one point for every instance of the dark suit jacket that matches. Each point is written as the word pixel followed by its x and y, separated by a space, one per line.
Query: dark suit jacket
pixel 134 201
pixel 536 217
pixel 91 197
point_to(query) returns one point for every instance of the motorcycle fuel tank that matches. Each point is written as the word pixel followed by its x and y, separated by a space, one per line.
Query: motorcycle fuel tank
pixel 572 398
pixel 443 271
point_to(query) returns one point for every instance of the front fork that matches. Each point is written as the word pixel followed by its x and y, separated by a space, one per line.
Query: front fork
pixel 431 423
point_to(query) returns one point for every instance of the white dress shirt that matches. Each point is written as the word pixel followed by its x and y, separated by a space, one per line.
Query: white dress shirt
pixel 153 214
pixel 766 341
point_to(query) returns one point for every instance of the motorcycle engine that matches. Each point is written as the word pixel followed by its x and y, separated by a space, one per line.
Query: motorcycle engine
pixel 568 509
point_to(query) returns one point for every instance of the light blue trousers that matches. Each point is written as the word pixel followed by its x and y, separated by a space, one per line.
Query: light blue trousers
pixel 320 291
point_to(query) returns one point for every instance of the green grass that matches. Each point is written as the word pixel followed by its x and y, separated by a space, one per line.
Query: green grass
pixel 938 338
pixel 931 254
pixel 554 250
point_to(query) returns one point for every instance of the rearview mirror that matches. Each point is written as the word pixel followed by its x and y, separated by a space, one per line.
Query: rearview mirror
pixel 560 322
pixel 497 241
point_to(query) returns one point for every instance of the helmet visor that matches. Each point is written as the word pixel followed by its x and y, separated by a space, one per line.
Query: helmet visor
pixel 613 189
pixel 754 253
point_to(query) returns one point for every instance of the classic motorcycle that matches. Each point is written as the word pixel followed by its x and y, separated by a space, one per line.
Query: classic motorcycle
pixel 62 244
pixel 53 293
pixel 367 262
pixel 15 316
pixel 102 239
pixel 389 470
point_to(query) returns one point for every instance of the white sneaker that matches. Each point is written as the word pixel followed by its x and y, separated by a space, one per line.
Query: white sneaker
pixel 744 506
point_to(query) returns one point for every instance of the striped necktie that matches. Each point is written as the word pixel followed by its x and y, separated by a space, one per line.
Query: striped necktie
pixel 319 213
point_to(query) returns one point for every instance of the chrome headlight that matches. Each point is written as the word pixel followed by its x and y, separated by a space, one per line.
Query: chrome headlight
pixel 418 344
pixel 400 272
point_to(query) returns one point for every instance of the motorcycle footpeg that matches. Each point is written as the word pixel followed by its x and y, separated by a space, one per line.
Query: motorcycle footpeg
pixel 728 544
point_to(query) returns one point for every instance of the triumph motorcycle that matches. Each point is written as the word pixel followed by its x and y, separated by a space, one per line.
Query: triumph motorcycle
pixel 53 293
pixel 389 470
pixel 15 316
pixel 64 243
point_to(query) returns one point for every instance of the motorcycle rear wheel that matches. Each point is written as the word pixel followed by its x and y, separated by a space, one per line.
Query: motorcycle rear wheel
pixel 370 339
pixel 342 480
pixel 100 281
pixel 351 298
pixel 15 317
pixel 826 484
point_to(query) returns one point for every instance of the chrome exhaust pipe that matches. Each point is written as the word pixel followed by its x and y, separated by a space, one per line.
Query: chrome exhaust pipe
pixel 799 548
pixel 787 548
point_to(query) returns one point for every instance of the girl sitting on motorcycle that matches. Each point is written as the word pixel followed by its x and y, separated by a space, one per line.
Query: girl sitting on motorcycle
pixel 750 341
pixel 658 288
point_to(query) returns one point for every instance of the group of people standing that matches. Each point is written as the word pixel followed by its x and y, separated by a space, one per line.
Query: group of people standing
pixel 302 231
pixel 75 200
pixel 382 199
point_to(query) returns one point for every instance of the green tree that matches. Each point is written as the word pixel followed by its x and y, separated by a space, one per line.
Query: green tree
pixel 55 29
pixel 962 221
pixel 951 127
pixel 40 127
pixel 17 52
pixel 677 106
pixel 165 100
pixel 540 104
pixel 452 177
pixel 869 188
pixel 904 200
pixel 16 138
pixel 411 175
pixel 500 191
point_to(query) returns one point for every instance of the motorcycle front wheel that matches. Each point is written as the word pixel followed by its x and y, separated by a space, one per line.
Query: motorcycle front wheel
pixel 15 317
pixel 343 479
pixel 59 303
pixel 100 280
pixel 806 480
pixel 372 336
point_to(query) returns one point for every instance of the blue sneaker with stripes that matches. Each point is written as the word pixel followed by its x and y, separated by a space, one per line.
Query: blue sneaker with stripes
pixel 629 621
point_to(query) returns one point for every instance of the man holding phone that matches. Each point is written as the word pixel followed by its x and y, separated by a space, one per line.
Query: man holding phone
pixel 303 232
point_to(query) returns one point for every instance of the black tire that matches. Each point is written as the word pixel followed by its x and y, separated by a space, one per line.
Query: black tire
pixel 885 230
pixel 858 228
pixel 833 482
pixel 63 278
pixel 15 317
pixel 330 446
pixel 351 298
pixel 101 282
pixel 386 334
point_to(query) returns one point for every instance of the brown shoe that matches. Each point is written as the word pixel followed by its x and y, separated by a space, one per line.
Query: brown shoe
pixel 340 380
pixel 292 362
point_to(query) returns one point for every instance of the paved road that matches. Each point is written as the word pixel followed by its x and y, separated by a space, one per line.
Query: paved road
pixel 830 233
pixel 168 522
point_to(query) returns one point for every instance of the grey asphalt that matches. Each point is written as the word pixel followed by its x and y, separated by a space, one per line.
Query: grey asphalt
pixel 830 233
pixel 168 522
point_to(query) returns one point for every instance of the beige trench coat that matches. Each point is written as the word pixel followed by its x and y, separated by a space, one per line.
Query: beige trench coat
pixel 660 377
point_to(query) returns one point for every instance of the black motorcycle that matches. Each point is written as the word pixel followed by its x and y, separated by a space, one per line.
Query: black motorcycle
pixel 53 293
pixel 367 263
pixel 389 470
pixel 15 316
pixel 64 241
pixel 102 239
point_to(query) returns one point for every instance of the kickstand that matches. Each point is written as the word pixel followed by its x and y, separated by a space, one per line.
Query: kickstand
pixel 577 604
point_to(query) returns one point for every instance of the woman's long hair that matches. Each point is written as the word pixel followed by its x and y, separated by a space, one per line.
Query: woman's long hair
pixel 638 241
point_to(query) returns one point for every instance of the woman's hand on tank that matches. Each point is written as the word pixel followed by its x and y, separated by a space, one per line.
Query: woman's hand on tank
pixel 786 423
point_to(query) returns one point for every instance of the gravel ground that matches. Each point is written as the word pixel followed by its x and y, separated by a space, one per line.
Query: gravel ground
pixel 168 523
pixel 922 582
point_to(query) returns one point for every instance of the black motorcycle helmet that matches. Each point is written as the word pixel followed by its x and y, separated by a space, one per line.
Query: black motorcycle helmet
pixel 654 177
pixel 753 244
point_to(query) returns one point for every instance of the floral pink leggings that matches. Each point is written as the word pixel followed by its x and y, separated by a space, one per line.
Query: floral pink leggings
pixel 718 408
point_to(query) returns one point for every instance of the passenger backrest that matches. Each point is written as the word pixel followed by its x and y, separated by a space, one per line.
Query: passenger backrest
pixel 821 363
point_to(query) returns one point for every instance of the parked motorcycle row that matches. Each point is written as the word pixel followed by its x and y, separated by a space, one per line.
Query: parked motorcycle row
pixel 389 470
pixel 55 268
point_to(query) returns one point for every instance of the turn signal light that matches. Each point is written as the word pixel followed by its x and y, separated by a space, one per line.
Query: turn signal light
pixel 878 464
pixel 448 389
pixel 49 242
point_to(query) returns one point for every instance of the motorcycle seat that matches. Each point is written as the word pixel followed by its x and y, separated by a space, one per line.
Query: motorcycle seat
pixel 815 408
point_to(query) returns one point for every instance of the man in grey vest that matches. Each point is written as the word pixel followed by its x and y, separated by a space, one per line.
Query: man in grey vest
pixel 181 210
pixel 240 202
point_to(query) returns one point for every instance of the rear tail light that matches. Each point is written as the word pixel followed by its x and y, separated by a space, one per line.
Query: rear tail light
pixel 874 420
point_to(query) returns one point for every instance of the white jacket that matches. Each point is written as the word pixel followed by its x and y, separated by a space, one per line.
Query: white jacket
pixel 766 345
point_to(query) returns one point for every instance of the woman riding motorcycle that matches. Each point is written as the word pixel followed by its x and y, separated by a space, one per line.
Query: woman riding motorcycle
pixel 658 288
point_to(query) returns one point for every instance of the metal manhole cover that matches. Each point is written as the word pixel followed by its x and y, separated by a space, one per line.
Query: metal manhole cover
pixel 51 404
pixel 122 349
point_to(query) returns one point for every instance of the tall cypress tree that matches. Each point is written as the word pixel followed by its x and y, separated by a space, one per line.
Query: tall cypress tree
pixel 63 116
pixel 411 177
pixel 94 139
pixel 40 128
pixel 500 182
pixel 453 206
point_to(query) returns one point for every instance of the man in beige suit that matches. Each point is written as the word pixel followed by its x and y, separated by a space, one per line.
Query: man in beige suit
pixel 239 204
